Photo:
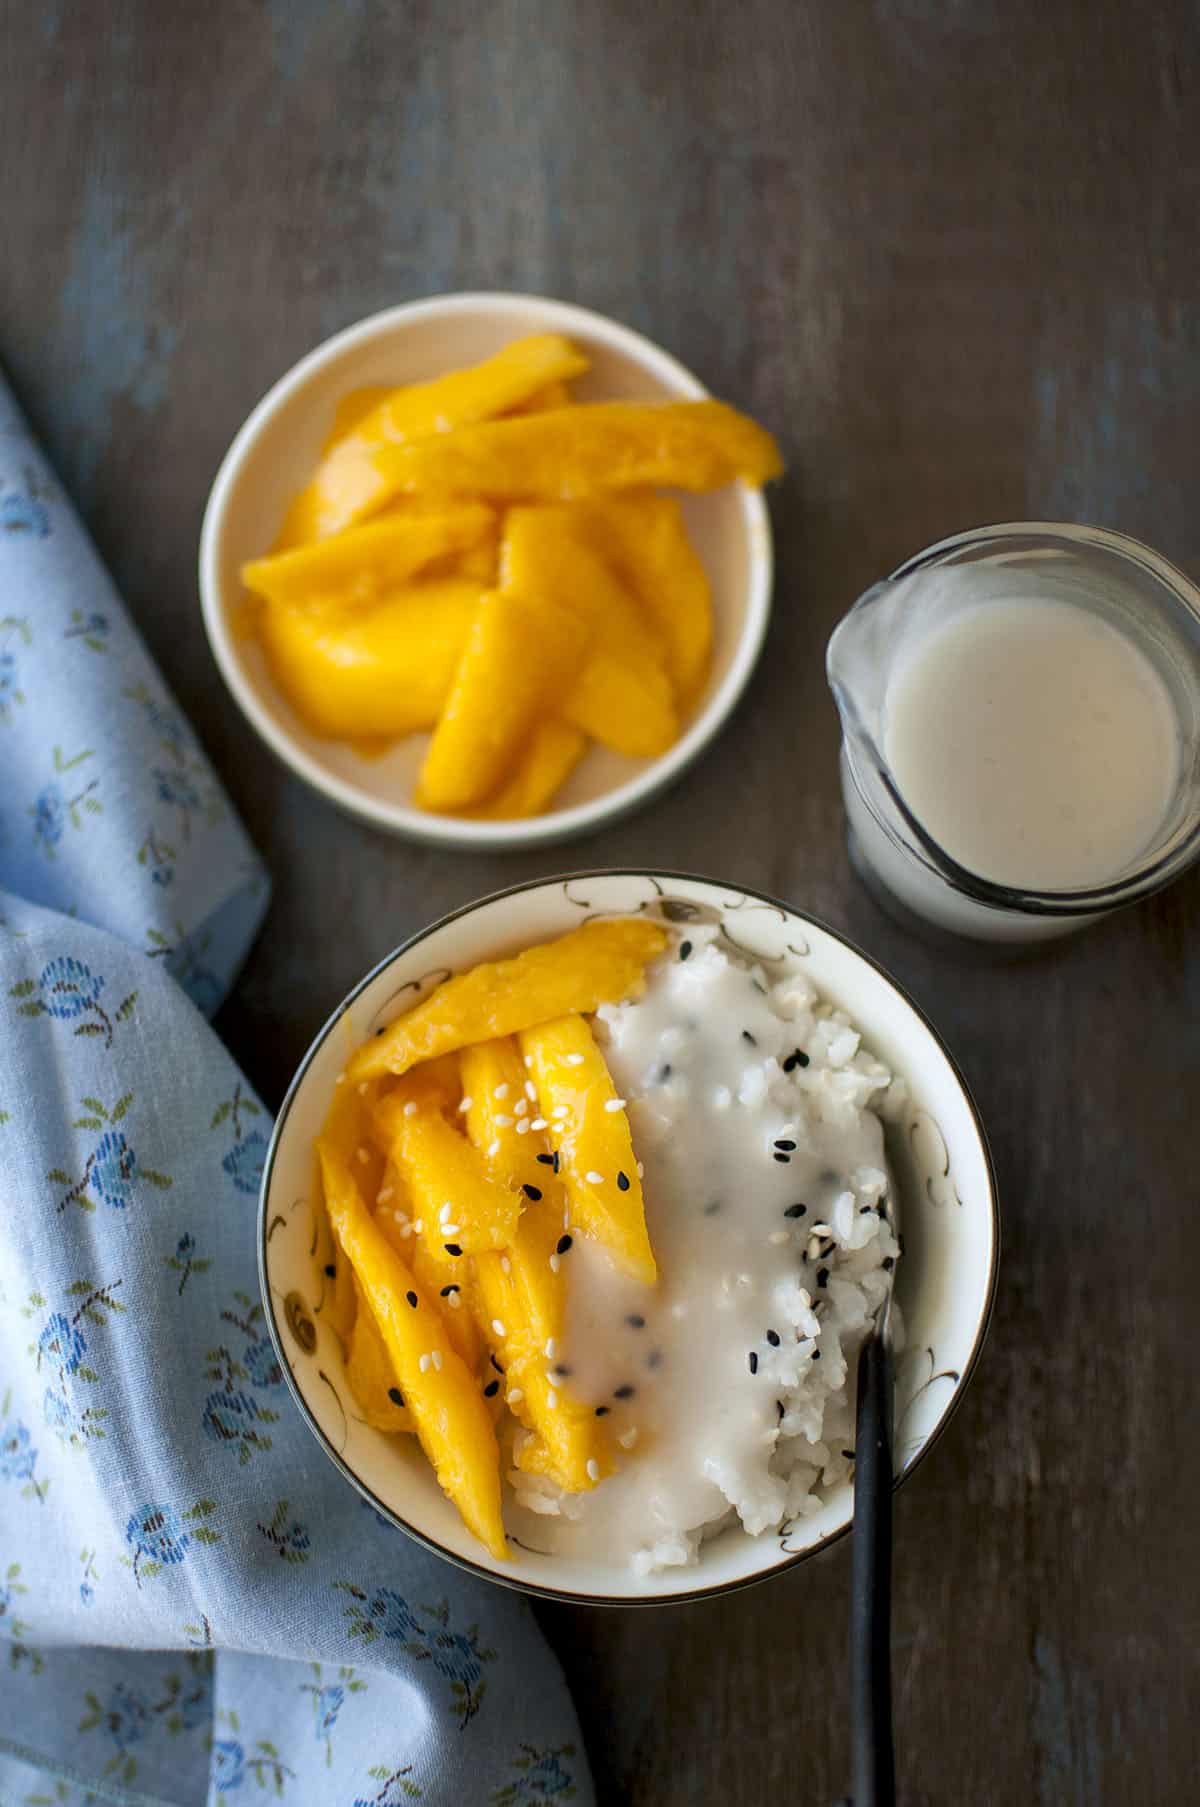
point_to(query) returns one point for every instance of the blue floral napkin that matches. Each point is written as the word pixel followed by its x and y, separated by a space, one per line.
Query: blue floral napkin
pixel 195 1607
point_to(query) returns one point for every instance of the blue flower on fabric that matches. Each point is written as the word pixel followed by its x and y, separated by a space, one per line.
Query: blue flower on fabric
pixel 392 1617
pixel 158 1534
pixel 126 1717
pixel 176 788
pixel 195 1706
pixel 61 1344
pixel 456 1657
pixel 226 1416
pixel 328 1705
pixel 228 1765
pixel 17 1454
pixel 114 1170
pixel 57 1412
pixel 244 1162
pixel 49 816
pixel 262 1363
pixel 67 988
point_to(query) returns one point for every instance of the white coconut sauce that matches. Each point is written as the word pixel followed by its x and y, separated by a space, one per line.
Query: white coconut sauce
pixel 724 1385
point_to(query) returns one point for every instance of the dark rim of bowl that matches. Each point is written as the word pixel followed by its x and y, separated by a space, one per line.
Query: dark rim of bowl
pixel 568 1596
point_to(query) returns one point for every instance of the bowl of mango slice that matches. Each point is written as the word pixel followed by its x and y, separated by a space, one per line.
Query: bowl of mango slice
pixel 489 570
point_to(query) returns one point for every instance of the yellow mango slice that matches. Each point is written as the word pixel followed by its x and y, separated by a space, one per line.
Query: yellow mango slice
pixel 354 407
pixel 367 564
pixel 601 962
pixel 547 555
pixel 630 708
pixel 547 762
pixel 596 1160
pixel 645 540
pixel 441 1169
pixel 384 673
pixel 348 484
pixel 586 451
pixel 554 395
pixel 519 659
pixel 370 1375
pixel 443 1279
pixel 451 1416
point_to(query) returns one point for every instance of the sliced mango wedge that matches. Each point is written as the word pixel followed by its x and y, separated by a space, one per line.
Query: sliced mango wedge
pixel 386 673
pixel 547 762
pixel 456 1200
pixel 519 659
pixel 645 539
pixel 602 962
pixel 554 395
pixel 371 1377
pixel 590 1130
pixel 549 555
pixel 353 407
pixel 630 708
pixel 452 1420
pixel 348 483
pixel 591 450
pixel 368 564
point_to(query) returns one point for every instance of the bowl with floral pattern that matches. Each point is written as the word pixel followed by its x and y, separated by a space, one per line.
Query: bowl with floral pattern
pixel 936 1148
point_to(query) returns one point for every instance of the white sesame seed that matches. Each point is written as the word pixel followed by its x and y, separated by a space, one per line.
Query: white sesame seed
pixel 399 1216
pixel 628 1438
pixel 593 1178
pixel 498 1327
pixel 521 1108
pixel 560 1111
pixel 523 1127
pixel 445 1211
pixel 500 1091
pixel 574 1060
pixel 531 1091
pixel 454 1302
pixel 593 1469
pixel 505 1265
pixel 363 1088
pixel 529 1060
pixel 493 1149
pixel 363 1156
pixel 419 1225
pixel 381 1198
pixel 423 1364
pixel 779 1237
pixel 410 1109
pixel 465 1106
pixel 503 1122
pixel 551 1349
pixel 437 1359
pixel 340 1080
pixel 539 1123
pixel 551 1398
pixel 451 1229
pixel 554 1264
pixel 406 1229
pixel 514 1396
pixel 641 1171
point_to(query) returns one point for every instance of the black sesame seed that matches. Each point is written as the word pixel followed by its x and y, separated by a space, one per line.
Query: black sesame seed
pixel 602 1411
pixel 816 1355
pixel 747 1037
pixel 495 1364
pixel 797 1058
pixel 773 1338
pixel 625 1392
pixel 379 1031
pixel 547 1160
pixel 491 1390
pixel 556 1160
pixel 331 1269
pixel 452 1248
pixel 564 1243
pixel 531 1192
pixel 622 1182
pixel 711 1210
pixel 779 1407
pixel 412 1299
pixel 785 1160
pixel 636 1321
pixel 787 1145
pixel 822 1276
pixel 395 1395
pixel 887 1264
pixel 654 1359
pixel 447 1290
pixel 795 1211
pixel 752 1358
pixel 563 1369
pixel 865 1210
pixel 849 1454
pixel 685 950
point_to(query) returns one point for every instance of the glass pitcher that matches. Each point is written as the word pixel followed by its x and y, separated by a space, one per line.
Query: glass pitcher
pixel 1125 583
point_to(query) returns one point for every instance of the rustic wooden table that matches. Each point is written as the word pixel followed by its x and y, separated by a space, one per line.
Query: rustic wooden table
pixel 950 254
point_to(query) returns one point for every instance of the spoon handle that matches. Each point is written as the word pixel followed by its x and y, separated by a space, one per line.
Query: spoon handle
pixel 874 1769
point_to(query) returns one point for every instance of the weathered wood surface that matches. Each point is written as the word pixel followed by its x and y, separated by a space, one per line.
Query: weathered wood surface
pixel 950 254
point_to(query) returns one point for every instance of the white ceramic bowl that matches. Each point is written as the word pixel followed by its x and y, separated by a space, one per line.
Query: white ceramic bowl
pixel 945 1281
pixel 274 454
